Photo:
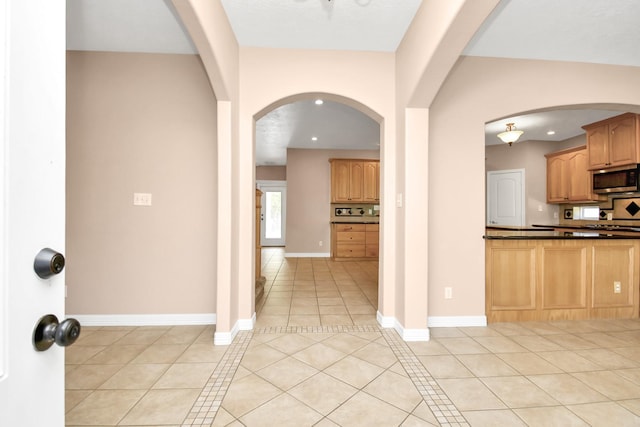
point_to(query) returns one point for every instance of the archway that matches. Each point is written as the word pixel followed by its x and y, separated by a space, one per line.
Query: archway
pixel 308 172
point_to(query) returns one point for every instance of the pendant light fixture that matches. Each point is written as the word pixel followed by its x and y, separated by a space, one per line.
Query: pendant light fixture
pixel 511 135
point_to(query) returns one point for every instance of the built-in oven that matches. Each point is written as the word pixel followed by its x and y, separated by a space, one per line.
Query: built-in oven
pixel 618 180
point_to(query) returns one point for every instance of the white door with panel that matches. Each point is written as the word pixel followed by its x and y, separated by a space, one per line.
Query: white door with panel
pixel 506 198
pixel 273 214
pixel 32 213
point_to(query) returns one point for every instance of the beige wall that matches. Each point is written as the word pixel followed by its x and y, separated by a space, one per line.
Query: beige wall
pixel 309 197
pixel 529 155
pixel 363 80
pixel 271 173
pixel 140 123
pixel 480 90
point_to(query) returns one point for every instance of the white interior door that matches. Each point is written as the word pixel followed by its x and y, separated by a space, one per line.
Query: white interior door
pixel 273 214
pixel 32 206
pixel 506 197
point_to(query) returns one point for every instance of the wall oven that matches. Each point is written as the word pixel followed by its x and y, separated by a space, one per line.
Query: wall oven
pixel 618 180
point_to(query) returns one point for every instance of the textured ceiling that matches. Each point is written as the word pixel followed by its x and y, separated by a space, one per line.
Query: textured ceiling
pixel 596 31
pixel 369 25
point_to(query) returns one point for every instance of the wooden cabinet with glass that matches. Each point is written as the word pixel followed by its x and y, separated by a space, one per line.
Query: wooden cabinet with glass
pixel 568 176
pixel 355 180
pixel 614 142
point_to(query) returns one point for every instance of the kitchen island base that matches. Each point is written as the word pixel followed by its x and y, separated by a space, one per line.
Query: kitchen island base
pixel 561 279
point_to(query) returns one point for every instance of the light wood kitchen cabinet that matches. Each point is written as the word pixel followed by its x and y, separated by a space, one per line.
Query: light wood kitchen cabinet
pixel 568 176
pixel 558 279
pixel 614 142
pixel 355 241
pixel 371 182
pixel 355 180
pixel 371 239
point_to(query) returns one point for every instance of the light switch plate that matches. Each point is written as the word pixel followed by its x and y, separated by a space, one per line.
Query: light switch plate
pixel 142 199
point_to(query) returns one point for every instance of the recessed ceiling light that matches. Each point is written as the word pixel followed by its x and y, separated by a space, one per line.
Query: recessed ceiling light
pixel 319 102
pixel 551 132
pixel 314 138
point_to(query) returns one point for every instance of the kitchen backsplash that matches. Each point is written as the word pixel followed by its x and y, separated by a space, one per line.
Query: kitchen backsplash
pixel 622 210
pixel 369 209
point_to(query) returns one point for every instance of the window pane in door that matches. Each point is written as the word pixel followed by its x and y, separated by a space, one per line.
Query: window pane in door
pixel 273 217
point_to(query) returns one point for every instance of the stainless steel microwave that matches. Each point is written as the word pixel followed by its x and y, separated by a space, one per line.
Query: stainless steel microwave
pixel 618 180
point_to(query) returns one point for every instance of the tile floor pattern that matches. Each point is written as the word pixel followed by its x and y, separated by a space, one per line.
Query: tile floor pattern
pixel 347 371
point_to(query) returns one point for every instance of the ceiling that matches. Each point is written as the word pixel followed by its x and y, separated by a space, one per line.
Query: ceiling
pixel 595 31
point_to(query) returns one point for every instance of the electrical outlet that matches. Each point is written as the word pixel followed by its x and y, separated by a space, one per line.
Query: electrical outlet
pixel 448 292
pixel 617 287
pixel 142 199
pixel 320 243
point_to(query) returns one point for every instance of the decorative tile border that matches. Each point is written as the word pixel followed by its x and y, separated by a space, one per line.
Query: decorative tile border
pixel 438 402
pixel 315 329
pixel 206 407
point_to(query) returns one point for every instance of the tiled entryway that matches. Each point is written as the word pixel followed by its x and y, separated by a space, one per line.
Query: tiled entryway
pixel 352 372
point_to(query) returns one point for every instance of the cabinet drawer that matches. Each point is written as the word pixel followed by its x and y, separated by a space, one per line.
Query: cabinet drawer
pixel 350 237
pixel 350 227
pixel 372 227
pixel 350 251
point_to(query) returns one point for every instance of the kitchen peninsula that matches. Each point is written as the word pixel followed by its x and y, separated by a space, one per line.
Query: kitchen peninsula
pixel 540 273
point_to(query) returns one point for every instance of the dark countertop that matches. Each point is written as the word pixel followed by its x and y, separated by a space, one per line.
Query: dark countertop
pixel 357 220
pixel 599 227
pixel 529 233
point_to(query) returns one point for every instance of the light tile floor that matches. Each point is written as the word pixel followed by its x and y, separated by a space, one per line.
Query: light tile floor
pixel 346 371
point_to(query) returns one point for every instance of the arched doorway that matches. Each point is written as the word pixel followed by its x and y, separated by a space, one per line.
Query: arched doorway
pixel 294 138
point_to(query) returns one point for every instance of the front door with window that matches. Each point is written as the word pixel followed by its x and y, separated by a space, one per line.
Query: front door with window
pixel 273 213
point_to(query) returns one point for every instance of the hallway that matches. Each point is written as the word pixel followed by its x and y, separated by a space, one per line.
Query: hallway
pixel 316 291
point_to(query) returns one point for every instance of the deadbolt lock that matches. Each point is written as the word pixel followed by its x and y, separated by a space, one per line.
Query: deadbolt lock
pixel 48 263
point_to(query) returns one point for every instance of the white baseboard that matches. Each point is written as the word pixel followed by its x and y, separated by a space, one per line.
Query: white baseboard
pixel 226 338
pixel 145 319
pixel 386 321
pixel 405 334
pixel 456 321
pixel 247 324
pixel 307 255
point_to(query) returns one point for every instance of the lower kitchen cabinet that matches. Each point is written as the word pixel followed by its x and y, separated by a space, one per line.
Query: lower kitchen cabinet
pixel 353 241
pixel 533 280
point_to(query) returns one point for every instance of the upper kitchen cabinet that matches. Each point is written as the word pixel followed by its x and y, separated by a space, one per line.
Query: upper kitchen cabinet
pixel 614 142
pixel 568 176
pixel 354 180
pixel 371 188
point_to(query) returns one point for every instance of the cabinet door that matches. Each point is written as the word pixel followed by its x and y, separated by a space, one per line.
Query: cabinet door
pixel 371 181
pixel 340 176
pixel 598 146
pixel 557 179
pixel 356 181
pixel 579 177
pixel 622 142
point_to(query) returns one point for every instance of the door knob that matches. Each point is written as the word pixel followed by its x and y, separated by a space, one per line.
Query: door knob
pixel 47 263
pixel 48 331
